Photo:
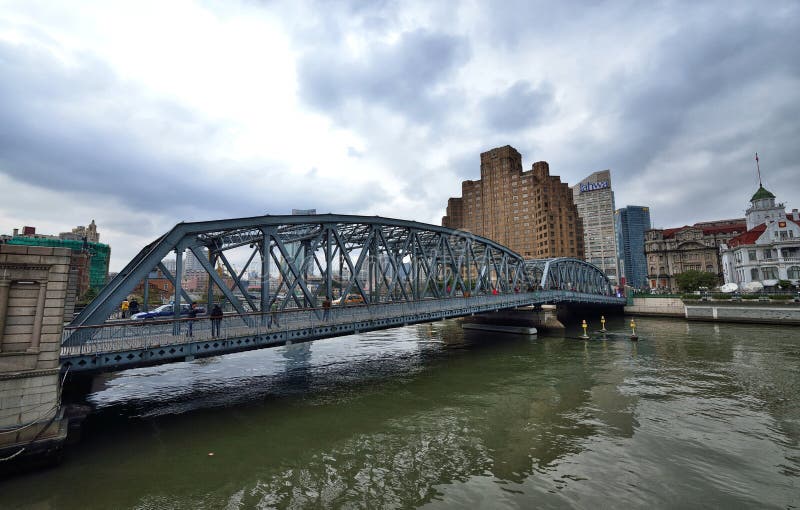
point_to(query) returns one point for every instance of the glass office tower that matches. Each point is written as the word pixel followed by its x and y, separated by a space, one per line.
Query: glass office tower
pixel 630 223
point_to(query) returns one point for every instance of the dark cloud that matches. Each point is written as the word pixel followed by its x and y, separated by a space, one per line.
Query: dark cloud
pixel 518 107
pixel 673 98
pixel 403 77
pixel 76 129
pixel 682 125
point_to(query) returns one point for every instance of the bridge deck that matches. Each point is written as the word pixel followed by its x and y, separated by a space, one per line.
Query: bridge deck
pixel 120 345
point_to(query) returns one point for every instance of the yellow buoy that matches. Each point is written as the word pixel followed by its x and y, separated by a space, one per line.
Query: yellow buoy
pixel 584 326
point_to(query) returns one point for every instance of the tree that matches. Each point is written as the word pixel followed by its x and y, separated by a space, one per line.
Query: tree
pixel 90 294
pixel 692 280
pixel 784 284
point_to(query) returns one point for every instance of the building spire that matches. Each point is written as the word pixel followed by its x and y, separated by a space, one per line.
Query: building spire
pixel 759 172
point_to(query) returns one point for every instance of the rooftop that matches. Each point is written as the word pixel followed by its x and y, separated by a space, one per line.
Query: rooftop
pixel 761 193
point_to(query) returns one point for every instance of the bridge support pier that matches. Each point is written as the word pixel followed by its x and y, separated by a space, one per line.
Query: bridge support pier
pixel 543 318
pixel 33 292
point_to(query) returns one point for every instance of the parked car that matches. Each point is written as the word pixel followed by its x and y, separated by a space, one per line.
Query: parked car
pixel 165 311
pixel 351 299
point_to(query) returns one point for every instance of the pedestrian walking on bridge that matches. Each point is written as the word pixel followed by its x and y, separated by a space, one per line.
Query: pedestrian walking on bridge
pixel 273 316
pixel 326 309
pixel 192 317
pixel 216 320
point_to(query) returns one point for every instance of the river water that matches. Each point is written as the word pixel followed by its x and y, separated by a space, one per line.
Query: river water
pixel 694 415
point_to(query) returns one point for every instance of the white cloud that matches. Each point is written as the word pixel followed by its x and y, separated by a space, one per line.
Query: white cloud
pixel 170 111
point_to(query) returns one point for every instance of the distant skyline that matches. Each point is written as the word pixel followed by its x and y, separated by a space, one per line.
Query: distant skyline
pixel 144 114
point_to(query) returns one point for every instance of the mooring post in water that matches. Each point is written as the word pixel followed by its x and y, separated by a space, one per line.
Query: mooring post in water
pixel 603 323
pixel 584 326
pixel 634 337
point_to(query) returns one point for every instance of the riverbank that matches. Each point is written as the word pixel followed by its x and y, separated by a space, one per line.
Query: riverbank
pixel 656 307
pixel 784 313
pixel 751 312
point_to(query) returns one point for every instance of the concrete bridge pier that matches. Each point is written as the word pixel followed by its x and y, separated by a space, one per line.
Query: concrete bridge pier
pixel 542 317
pixel 33 291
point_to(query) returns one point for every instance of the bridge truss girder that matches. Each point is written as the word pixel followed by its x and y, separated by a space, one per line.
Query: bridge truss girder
pixel 568 274
pixel 380 259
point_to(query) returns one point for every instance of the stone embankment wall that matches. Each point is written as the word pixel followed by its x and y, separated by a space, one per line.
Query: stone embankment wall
pixel 33 290
pixel 658 306
pixel 781 313
pixel 774 312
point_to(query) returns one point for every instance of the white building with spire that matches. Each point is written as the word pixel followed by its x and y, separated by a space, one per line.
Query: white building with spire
pixel 770 249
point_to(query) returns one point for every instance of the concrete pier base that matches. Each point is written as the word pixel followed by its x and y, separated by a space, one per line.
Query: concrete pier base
pixel 544 319
pixel 500 328
pixel 33 290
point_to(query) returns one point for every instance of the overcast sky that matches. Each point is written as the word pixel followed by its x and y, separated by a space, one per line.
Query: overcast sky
pixel 143 114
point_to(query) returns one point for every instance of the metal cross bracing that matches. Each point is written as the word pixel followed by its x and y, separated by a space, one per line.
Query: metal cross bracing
pixel 316 258
pixel 569 274
pixel 321 256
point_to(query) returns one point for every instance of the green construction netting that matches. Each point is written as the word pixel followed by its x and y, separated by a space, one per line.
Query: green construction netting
pixel 98 266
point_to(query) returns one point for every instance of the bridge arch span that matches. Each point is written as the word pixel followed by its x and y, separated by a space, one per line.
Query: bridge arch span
pixel 315 257
pixel 569 274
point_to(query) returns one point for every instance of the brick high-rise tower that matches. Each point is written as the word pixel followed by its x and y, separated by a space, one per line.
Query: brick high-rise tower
pixel 532 212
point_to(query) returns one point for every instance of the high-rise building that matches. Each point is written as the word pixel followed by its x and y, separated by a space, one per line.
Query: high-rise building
pixel 80 233
pixel 298 251
pixel 531 212
pixel 630 223
pixel 594 199
pixel 191 264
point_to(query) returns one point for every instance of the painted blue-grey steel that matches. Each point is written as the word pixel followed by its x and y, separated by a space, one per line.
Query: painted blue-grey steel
pixel 124 345
pixel 220 235
pixel 436 263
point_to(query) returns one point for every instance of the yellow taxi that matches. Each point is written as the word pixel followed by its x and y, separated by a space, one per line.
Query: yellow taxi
pixel 351 299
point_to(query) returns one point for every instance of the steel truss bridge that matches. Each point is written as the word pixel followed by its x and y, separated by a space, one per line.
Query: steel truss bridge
pixel 397 272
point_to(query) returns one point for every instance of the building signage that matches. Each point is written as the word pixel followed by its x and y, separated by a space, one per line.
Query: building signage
pixel 781 224
pixel 592 186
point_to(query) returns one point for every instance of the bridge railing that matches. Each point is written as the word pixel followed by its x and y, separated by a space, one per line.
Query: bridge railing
pixel 128 335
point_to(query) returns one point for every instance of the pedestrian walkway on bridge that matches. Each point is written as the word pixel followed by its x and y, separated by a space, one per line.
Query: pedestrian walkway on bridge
pixel 124 344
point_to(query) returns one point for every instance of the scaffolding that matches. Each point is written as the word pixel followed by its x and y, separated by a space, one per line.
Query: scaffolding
pixel 99 253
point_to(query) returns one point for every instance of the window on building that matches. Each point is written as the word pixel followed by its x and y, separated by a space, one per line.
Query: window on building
pixel 793 273
pixel 754 274
pixel 770 273
pixel 751 255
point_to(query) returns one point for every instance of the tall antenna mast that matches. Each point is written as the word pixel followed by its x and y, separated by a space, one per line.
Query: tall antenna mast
pixel 759 172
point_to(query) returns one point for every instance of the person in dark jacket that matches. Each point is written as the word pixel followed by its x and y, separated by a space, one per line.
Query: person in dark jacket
pixel 133 307
pixel 192 317
pixel 216 320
